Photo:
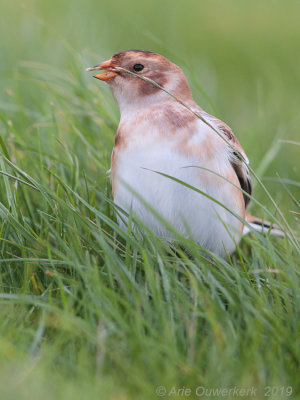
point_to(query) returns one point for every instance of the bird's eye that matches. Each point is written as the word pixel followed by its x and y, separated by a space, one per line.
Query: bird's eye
pixel 138 67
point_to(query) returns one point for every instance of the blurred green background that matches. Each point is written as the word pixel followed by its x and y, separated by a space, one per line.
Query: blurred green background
pixel 241 57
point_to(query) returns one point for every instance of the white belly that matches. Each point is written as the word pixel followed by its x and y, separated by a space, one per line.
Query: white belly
pixel 190 213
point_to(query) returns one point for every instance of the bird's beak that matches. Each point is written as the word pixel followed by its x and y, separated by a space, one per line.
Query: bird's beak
pixel 104 75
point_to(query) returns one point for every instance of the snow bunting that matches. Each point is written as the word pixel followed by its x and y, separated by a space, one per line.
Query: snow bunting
pixel 161 134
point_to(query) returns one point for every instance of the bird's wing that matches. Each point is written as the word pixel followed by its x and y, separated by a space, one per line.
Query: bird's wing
pixel 239 166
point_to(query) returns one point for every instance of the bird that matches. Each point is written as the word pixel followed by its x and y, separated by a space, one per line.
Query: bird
pixel 175 167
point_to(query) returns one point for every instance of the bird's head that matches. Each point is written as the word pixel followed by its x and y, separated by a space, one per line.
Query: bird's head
pixel 131 92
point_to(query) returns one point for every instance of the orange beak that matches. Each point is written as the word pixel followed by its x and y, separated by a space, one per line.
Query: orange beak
pixel 106 75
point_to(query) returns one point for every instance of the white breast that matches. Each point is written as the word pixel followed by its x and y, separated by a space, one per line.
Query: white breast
pixel 190 213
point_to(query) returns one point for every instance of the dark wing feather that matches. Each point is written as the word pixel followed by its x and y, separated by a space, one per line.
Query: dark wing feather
pixel 239 166
pixel 243 175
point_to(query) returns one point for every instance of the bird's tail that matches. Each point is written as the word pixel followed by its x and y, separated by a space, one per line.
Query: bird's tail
pixel 261 226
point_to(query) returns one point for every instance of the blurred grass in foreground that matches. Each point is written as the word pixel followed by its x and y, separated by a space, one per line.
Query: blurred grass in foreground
pixel 88 311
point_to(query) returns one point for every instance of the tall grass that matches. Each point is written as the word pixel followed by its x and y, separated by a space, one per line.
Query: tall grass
pixel 90 311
